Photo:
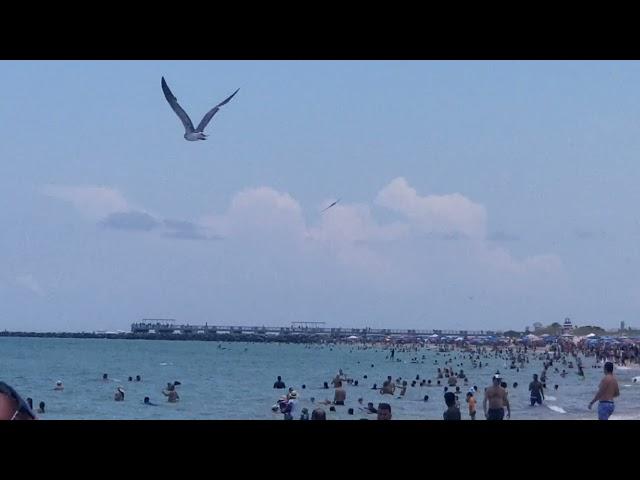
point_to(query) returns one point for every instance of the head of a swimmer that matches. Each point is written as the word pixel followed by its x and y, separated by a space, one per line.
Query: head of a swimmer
pixel 449 399
pixel 608 367
pixel 384 411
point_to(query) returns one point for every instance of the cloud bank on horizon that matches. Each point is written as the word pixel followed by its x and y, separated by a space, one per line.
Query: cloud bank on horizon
pixel 428 243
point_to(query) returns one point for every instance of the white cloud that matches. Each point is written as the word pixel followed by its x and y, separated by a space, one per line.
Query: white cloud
pixel 349 233
pixel 93 202
pixel 444 214
pixel 259 211
pixel 353 224
pixel 111 209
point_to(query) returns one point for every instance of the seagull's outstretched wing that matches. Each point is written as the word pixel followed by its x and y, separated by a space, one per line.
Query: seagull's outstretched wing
pixel 186 121
pixel 207 118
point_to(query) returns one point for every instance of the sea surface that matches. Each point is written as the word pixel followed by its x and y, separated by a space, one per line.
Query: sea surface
pixel 222 380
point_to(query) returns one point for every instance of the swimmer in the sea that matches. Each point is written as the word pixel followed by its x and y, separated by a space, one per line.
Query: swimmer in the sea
pixel 370 408
pixel 59 387
pixel 340 394
pixel 119 395
pixel 171 394
pixel 318 414
pixel 403 390
pixel 148 402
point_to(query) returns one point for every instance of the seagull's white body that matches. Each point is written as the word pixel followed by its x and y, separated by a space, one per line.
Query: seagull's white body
pixel 195 136
pixel 192 134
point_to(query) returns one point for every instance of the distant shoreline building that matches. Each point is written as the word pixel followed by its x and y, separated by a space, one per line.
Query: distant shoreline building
pixel 567 327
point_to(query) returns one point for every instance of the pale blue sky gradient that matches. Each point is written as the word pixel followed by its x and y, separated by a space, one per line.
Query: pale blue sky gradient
pixel 549 150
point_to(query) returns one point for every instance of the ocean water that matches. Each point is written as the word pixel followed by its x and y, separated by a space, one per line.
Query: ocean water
pixel 235 380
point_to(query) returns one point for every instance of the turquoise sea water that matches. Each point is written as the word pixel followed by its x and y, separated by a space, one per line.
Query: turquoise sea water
pixel 235 380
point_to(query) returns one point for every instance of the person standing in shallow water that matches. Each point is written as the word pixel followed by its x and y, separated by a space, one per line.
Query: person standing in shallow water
pixel 452 412
pixel 119 395
pixel 340 394
pixel 472 404
pixel 607 391
pixel 537 392
pixel 279 383
pixel 171 394
pixel 496 398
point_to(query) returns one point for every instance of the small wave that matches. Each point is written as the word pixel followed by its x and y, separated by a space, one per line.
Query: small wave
pixel 550 398
pixel 556 408
pixel 625 417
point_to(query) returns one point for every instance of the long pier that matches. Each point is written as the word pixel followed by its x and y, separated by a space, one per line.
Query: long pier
pixel 150 326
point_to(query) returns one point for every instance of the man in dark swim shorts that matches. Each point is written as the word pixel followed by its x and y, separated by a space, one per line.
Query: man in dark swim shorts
pixel 497 398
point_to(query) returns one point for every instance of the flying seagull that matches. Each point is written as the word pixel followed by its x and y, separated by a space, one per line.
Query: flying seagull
pixel 192 134
pixel 330 206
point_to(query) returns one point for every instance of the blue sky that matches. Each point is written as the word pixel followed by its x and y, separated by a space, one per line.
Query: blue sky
pixel 473 194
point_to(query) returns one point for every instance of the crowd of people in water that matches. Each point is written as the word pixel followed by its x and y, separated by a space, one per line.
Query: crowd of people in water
pixel 447 375
pixel 495 397
pixel 21 409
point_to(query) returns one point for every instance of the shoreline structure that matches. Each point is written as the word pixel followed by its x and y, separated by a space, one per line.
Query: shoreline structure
pixel 298 332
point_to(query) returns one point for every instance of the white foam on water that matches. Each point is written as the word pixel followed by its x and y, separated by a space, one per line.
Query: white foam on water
pixel 549 397
pixel 556 408
pixel 625 417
